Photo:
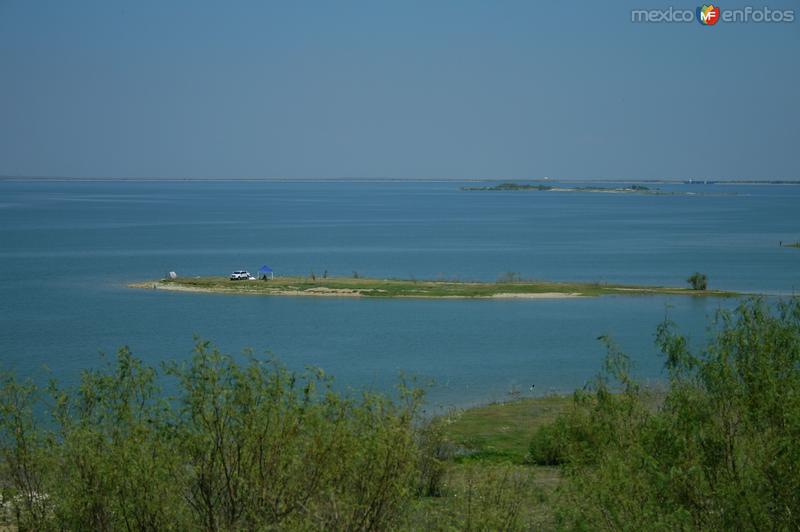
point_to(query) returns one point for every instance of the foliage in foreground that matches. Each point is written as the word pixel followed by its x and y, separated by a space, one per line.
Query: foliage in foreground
pixel 718 452
pixel 240 447
pixel 254 446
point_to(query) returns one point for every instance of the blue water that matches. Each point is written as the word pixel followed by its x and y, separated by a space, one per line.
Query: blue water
pixel 67 250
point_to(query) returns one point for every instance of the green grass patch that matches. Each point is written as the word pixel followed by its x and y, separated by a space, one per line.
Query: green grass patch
pixel 502 432
pixel 489 479
pixel 480 496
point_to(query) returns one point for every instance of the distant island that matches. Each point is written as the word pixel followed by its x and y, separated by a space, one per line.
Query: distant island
pixel 409 288
pixel 695 181
pixel 630 189
pixel 792 245
pixel 526 186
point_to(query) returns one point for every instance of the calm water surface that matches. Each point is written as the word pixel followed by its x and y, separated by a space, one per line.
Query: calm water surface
pixel 67 250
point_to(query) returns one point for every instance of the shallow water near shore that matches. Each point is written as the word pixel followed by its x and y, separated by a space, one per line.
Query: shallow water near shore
pixel 68 249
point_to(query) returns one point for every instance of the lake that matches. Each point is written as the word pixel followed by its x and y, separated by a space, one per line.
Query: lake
pixel 68 249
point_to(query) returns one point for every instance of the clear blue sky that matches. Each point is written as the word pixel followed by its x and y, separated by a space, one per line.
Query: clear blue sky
pixel 434 88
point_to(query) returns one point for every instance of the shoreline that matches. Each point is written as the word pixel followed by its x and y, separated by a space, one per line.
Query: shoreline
pixel 412 289
pixel 333 292
pixel 636 189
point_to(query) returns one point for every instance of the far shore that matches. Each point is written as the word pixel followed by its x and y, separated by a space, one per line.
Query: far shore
pixel 359 287
pixel 628 189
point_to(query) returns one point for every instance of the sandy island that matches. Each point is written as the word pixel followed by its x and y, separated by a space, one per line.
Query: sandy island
pixel 403 288
pixel 324 291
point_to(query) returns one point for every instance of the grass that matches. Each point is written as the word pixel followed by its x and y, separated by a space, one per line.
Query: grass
pixel 792 245
pixel 501 432
pixel 462 481
pixel 387 288
pixel 492 441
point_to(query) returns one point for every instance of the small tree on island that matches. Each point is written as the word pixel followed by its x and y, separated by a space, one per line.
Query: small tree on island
pixel 698 281
pixel 509 277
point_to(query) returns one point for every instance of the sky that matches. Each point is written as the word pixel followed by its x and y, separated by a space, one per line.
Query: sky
pixel 394 89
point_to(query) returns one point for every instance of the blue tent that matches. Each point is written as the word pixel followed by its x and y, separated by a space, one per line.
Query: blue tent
pixel 264 270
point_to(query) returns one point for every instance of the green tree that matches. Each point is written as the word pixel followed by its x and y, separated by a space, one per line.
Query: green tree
pixel 509 277
pixel 239 446
pixel 698 281
pixel 716 451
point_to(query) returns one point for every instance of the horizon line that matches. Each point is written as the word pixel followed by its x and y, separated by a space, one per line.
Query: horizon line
pixel 9 177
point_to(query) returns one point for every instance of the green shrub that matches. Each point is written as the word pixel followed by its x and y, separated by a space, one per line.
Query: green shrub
pixel 548 444
pixel 719 453
pixel 509 278
pixel 241 446
pixel 435 451
pixel 698 281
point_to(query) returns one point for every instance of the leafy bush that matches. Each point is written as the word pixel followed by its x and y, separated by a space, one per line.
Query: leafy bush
pixel 509 278
pixel 435 451
pixel 698 281
pixel 719 453
pixel 548 443
pixel 235 446
pixel 248 446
